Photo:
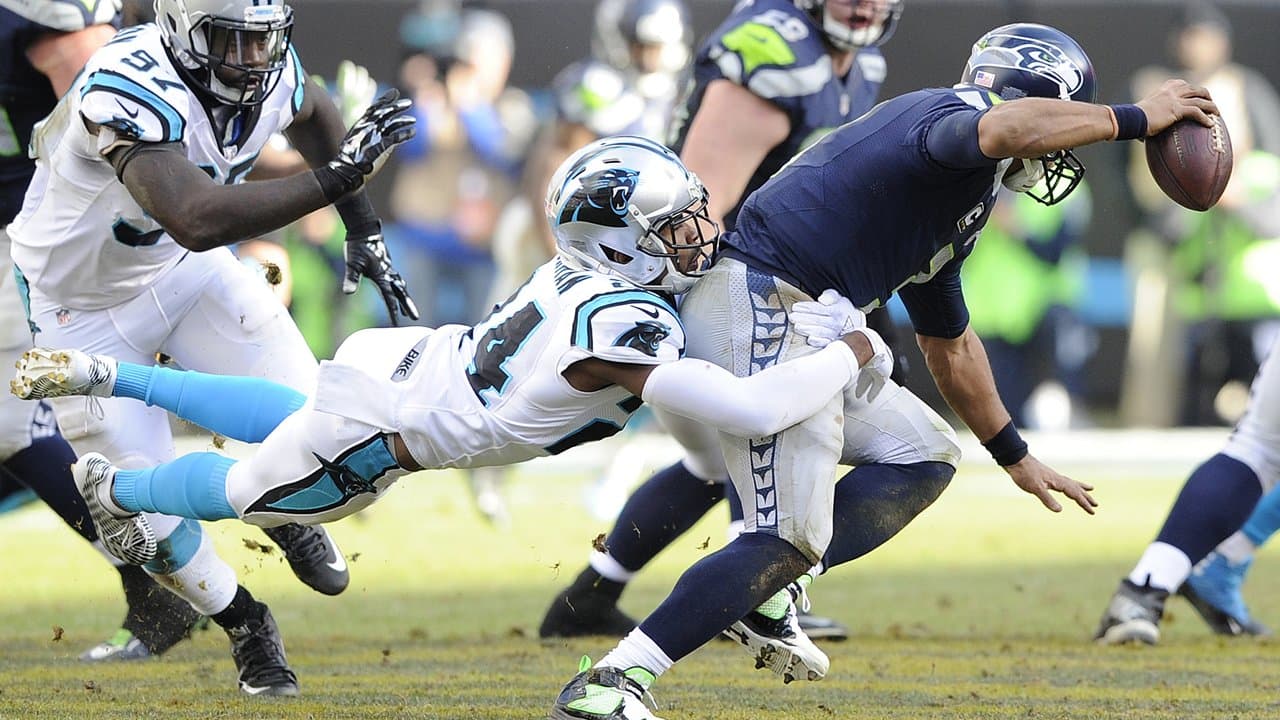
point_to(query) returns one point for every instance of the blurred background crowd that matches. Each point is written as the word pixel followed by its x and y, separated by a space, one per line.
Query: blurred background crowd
pixel 1116 308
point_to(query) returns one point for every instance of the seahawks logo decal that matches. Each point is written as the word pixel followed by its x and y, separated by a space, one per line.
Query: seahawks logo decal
pixel 602 198
pixel 646 337
pixel 1049 62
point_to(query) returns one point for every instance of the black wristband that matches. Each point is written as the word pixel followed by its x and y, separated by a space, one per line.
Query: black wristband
pixel 1131 122
pixel 358 215
pixel 334 183
pixel 1007 447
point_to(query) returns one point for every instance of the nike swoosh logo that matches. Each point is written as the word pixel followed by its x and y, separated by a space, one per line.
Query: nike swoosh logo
pixel 651 313
pixel 253 690
pixel 131 114
pixel 339 564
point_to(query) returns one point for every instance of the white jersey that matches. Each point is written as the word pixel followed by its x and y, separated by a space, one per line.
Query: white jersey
pixel 80 237
pixel 495 394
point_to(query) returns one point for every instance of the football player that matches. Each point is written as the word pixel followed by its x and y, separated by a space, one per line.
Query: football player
pixel 121 247
pixel 649 41
pixel 775 76
pixel 890 203
pixel 52 39
pixel 1204 524
pixel 565 360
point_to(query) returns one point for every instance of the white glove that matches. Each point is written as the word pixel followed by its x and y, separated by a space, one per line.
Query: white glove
pixel 875 372
pixel 826 320
pixel 1024 178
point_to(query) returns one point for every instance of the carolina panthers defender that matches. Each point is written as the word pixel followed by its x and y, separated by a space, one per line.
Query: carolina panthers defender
pixel 891 202
pixel 780 73
pixel 120 247
pixel 50 41
pixel 1204 524
pixel 566 360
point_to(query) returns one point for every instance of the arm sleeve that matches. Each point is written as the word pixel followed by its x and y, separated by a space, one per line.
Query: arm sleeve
pixel 937 307
pixel 757 405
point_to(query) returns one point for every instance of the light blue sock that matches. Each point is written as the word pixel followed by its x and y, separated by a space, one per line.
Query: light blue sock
pixel 1265 520
pixel 242 408
pixel 193 486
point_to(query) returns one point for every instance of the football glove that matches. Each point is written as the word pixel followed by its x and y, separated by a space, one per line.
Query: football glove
pixel 368 256
pixel 369 142
pixel 827 319
pixel 875 372
pixel 1023 175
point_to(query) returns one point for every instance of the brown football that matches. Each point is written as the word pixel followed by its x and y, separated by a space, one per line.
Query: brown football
pixel 1191 163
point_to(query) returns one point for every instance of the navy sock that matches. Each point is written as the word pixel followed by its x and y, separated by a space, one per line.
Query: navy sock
pixel 721 588
pixel 658 512
pixel 873 502
pixel 1213 504
pixel 45 467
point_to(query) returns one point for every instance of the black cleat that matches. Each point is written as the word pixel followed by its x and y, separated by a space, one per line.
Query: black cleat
pixel 580 614
pixel 313 555
pixel 258 650
pixel 1133 615
pixel 821 628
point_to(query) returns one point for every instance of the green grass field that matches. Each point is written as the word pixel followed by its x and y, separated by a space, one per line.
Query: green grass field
pixel 982 608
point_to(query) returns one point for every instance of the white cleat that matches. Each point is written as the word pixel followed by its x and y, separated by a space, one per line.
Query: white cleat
pixel 126 535
pixel 780 645
pixel 44 373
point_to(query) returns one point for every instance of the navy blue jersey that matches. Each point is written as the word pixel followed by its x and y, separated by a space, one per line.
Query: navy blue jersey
pixel 773 49
pixel 25 93
pixel 891 202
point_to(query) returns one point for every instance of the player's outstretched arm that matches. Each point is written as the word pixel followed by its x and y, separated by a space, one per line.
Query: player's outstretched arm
pixel 759 405
pixel 1035 127
pixel 963 374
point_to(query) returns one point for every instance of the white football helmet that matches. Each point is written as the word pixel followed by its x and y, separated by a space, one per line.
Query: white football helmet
pixel 233 49
pixel 627 206
pixel 873 23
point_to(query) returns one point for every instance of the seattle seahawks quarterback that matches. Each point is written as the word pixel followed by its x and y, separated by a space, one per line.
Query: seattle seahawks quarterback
pixel 564 361
pixel 120 247
pixel 891 202
pixel 51 41
pixel 780 73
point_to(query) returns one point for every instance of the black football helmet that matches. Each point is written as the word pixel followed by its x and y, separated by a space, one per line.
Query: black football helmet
pixel 1030 60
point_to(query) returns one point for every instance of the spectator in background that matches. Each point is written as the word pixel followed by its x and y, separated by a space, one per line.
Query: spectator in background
pixel 456 175
pixel 1022 283
pixel 1225 308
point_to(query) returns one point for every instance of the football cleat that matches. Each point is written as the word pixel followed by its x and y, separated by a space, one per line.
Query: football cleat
pixel 44 373
pixel 772 634
pixel 818 627
pixel 120 646
pixel 581 611
pixel 313 556
pixel 127 536
pixel 258 650
pixel 605 694
pixel 1214 590
pixel 1133 615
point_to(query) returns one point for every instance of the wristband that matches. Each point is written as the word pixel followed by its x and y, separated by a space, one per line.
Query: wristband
pixel 1007 447
pixel 1131 122
pixel 358 215
pixel 334 183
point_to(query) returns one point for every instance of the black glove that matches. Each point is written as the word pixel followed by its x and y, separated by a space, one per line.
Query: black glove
pixel 368 257
pixel 368 144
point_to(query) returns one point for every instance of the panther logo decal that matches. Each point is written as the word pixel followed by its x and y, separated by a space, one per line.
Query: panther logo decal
pixel 602 198
pixel 646 337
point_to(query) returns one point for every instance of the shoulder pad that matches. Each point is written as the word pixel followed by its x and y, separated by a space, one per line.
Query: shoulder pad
pixel 630 326
pixel 131 85
pixel 65 15
pixel 774 54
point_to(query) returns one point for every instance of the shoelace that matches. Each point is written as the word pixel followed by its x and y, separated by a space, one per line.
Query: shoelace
pixel 800 595
pixel 301 544
pixel 256 650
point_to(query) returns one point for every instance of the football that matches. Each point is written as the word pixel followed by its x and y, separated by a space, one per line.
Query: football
pixel 1191 163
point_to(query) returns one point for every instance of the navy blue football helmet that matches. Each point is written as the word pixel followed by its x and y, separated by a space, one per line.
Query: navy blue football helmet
pixel 1030 60
pixel 878 27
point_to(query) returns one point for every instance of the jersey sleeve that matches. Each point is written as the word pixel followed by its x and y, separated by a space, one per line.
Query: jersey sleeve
pixel 951 138
pixel 774 55
pixel 66 15
pixel 627 326
pixel 123 102
pixel 936 307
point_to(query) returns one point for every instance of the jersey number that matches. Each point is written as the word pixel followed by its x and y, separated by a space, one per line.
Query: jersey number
pixel 499 344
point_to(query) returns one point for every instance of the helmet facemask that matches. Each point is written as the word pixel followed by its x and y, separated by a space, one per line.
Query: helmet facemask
pixel 238 60
pixel 687 240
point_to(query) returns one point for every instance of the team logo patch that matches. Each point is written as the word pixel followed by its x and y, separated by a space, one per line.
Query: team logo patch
pixel 646 336
pixel 601 198
pixel 1048 61
pixel 63 316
